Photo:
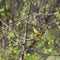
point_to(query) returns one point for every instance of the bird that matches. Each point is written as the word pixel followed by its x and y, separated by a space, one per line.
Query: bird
pixel 37 32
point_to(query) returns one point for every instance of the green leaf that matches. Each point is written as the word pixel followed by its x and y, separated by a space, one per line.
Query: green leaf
pixel 1 10
pixel 11 34
pixel 57 14
pixel 17 24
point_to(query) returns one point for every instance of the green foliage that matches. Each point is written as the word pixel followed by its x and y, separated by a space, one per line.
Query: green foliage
pixel 1 10
pixel 30 56
pixel 21 17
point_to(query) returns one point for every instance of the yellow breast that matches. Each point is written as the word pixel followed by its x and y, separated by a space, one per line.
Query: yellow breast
pixel 36 31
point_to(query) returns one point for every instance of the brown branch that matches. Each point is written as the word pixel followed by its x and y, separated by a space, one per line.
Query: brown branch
pixel 5 24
